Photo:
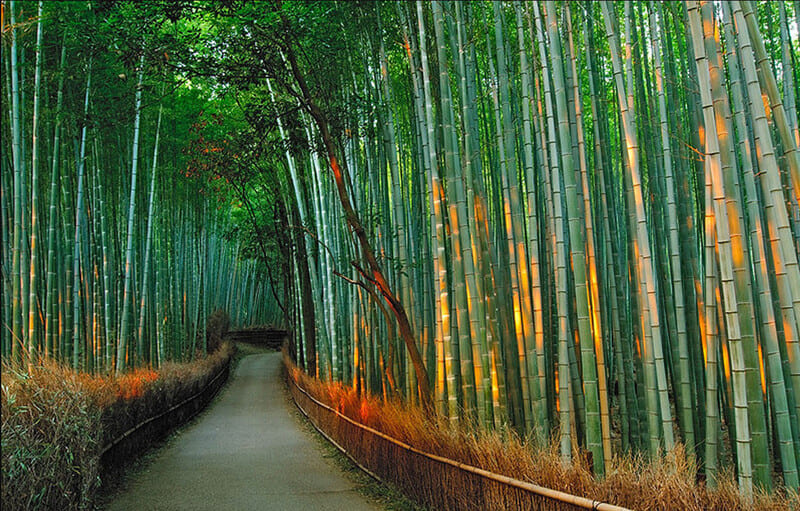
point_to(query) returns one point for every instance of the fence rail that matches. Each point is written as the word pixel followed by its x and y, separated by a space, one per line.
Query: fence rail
pixel 432 480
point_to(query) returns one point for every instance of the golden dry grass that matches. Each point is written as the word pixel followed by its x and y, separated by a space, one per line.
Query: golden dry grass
pixel 49 444
pixel 636 482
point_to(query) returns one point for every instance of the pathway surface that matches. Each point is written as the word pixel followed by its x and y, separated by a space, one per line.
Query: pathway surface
pixel 248 452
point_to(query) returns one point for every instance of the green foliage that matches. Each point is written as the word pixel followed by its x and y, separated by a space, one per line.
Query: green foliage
pixel 103 45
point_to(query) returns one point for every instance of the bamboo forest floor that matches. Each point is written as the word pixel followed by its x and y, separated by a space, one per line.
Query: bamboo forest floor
pixel 249 450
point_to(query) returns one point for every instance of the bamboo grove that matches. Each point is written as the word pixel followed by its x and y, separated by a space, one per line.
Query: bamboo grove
pixel 588 212
pixel 578 220
pixel 111 257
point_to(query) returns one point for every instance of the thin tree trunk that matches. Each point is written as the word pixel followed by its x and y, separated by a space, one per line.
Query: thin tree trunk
pixel 341 177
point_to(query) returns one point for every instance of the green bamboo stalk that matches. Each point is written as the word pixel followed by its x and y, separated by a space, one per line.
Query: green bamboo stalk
pixel 514 223
pixel 461 257
pixel 308 273
pixel 589 359
pixel 711 342
pixel 741 263
pixel 611 277
pixel 149 241
pixel 106 256
pixel 51 285
pixel 783 125
pixel 535 354
pixel 560 247
pixel 592 283
pixel 780 392
pixel 683 394
pixel 784 259
pixel 647 300
pixel 76 254
pixel 16 257
pixel 486 285
pixel 445 373
pixel 732 317
pixel 787 75
pixel 397 198
pixel 127 295
pixel 34 262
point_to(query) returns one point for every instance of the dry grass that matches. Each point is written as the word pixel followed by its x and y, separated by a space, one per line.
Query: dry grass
pixel 49 440
pixel 635 482
pixel 56 421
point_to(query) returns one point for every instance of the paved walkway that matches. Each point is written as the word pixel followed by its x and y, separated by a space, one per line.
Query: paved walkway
pixel 248 452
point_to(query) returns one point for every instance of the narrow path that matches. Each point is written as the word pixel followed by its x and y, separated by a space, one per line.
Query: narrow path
pixel 247 452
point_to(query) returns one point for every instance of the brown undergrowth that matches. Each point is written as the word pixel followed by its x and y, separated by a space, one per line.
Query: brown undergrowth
pixel 57 421
pixel 635 482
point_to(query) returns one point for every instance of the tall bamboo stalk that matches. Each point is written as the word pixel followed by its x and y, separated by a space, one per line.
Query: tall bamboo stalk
pixel 127 295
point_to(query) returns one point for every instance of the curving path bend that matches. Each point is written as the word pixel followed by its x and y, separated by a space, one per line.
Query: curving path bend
pixel 248 452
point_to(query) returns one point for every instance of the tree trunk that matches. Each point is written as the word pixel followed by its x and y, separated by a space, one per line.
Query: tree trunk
pixel 341 178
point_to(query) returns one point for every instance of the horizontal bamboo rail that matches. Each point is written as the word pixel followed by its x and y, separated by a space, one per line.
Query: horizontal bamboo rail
pixel 430 479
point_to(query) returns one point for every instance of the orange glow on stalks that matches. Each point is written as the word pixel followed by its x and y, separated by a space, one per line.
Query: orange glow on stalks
pixel 767 107
pixel 761 371
pixel 701 315
pixel 355 363
pixel 726 362
pixel 637 341
pixel 495 381
pixel 558 396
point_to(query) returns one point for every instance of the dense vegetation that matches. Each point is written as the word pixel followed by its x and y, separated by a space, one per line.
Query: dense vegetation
pixel 632 482
pixel 115 262
pixel 112 257
pixel 578 219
